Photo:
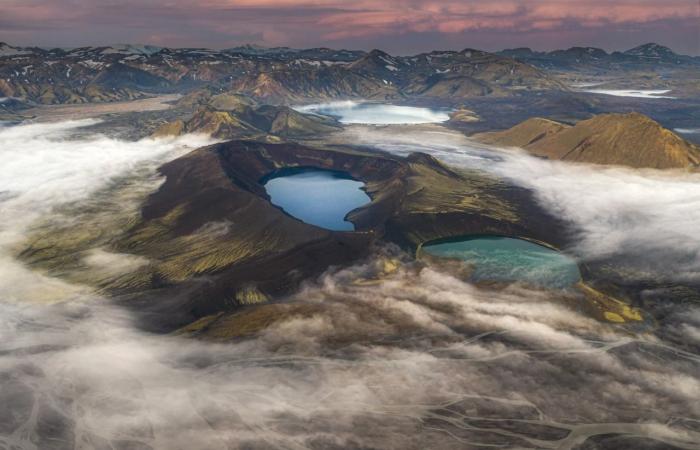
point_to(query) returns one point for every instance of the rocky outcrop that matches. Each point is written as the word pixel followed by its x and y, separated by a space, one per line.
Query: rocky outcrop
pixel 286 122
pixel 463 115
pixel 524 133
pixel 294 84
pixel 231 116
pixel 632 140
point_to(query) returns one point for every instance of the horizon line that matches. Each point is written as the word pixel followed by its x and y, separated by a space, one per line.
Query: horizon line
pixel 264 47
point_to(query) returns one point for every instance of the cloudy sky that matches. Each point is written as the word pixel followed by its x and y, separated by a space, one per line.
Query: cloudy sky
pixel 399 26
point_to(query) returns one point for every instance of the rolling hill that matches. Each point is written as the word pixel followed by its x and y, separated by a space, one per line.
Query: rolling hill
pixel 632 140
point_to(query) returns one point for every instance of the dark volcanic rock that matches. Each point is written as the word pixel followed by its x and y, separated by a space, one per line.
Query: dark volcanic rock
pixel 216 242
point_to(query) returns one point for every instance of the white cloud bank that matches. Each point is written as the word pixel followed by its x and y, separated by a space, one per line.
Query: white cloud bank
pixel 649 217
pixel 46 165
pixel 418 360
pixel 376 114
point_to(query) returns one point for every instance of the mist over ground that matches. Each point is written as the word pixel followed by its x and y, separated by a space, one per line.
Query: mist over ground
pixel 648 218
pixel 351 112
pixel 415 359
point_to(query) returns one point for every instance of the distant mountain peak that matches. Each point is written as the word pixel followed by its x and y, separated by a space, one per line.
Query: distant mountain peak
pixel 592 52
pixel 650 50
pixel 255 49
pixel 471 50
pixel 377 59
pixel 376 53
pixel 8 50
pixel 253 46
pixel 519 49
pixel 519 52
pixel 132 49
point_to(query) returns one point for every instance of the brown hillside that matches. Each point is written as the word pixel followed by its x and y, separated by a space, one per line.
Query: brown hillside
pixel 632 140
pixel 524 133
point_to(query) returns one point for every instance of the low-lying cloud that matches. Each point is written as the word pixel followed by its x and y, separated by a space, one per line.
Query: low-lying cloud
pixel 374 114
pixel 412 360
pixel 418 360
pixel 44 166
pixel 647 217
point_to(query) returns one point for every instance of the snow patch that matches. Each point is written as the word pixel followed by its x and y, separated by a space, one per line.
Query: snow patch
pixel 638 93
pixel 89 63
pixel 6 50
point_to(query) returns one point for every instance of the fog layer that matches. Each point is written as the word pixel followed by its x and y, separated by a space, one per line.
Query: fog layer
pixel 413 360
pixel 647 218
pixel 376 114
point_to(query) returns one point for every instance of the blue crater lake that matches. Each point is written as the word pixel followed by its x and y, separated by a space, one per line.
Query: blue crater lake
pixel 316 196
pixel 496 258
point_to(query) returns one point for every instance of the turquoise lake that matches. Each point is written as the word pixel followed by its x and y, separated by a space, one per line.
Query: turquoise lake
pixel 506 259
pixel 317 197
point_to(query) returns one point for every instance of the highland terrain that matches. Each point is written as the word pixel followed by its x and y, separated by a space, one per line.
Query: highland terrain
pixel 156 296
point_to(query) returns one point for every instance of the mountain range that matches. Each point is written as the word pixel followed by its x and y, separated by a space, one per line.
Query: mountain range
pixel 647 56
pixel 285 75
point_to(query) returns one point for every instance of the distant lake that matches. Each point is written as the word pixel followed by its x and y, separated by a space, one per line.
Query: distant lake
pixel 316 196
pixel 498 258
pixel 376 114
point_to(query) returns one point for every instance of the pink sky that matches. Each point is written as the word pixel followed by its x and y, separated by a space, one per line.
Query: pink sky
pixel 399 26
